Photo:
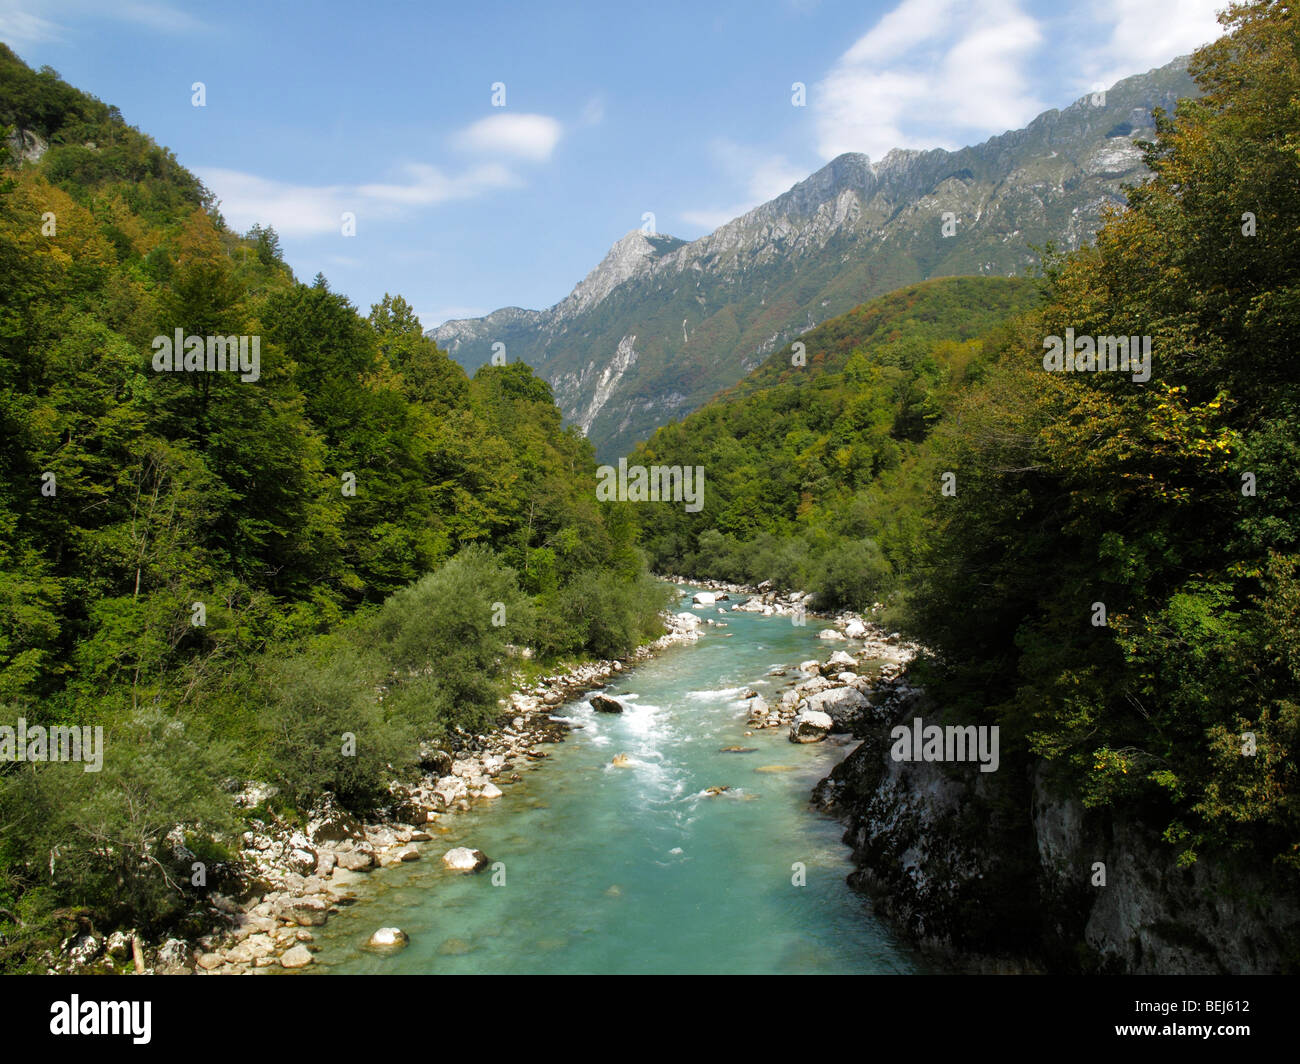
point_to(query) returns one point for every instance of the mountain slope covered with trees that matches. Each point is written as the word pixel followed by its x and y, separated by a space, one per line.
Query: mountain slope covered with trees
pixel 228 574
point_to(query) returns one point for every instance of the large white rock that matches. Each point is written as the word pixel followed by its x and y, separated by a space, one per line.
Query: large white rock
pixel 689 621
pixel 841 658
pixel 463 859
pixel 855 629
pixel 843 706
pixel 298 957
pixel 829 633
pixel 809 726
pixel 812 668
pixel 491 790
pixel 704 598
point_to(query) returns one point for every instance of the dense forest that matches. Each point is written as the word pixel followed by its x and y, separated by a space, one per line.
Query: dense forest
pixel 816 463
pixel 1109 569
pixel 227 574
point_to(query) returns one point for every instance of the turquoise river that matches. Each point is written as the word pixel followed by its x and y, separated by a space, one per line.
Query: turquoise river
pixel 623 870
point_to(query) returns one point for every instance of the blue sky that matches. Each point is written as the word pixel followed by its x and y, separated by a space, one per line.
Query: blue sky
pixel 611 111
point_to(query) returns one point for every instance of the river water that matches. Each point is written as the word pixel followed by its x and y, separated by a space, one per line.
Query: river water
pixel 635 870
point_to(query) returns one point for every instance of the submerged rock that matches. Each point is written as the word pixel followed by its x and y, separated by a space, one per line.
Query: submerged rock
pixel 389 939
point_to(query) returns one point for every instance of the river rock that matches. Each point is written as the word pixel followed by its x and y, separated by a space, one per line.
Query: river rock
pixel 841 658
pixel 855 629
pixel 356 861
pixel 491 790
pixel 334 825
pixel 812 668
pixel 844 706
pixel 407 854
pixel 810 726
pixel 605 704
pixel 389 939
pixel 621 761
pixel 297 957
pixel 704 598
pixel 463 859
pixel 830 633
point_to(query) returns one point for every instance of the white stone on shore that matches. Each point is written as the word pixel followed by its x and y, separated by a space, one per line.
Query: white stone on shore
pixel 855 629
pixel 297 957
pixel 809 726
pixel 463 859
pixel 829 633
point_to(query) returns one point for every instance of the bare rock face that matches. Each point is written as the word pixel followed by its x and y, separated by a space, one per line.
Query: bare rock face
pixel 1002 870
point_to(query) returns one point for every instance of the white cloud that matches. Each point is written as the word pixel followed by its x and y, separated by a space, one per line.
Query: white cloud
pixel 21 27
pixel 762 175
pixel 930 73
pixel 313 210
pixel 531 137
pixel 432 319
pixel 1149 33
pixel 156 16
pixel 710 220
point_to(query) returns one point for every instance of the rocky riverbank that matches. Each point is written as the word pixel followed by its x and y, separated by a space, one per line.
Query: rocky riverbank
pixel 287 879
pixel 1006 871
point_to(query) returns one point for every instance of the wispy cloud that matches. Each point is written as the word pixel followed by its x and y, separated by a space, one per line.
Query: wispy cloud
pixel 593 111
pixel 314 210
pixel 23 28
pixel 761 175
pixel 1149 33
pixel 930 73
pixel 21 24
pixel 521 136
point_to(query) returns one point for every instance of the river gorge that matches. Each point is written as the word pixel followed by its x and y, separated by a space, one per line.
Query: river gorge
pixel 637 868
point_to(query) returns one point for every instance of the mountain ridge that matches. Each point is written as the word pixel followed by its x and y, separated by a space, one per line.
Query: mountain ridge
pixel 662 324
